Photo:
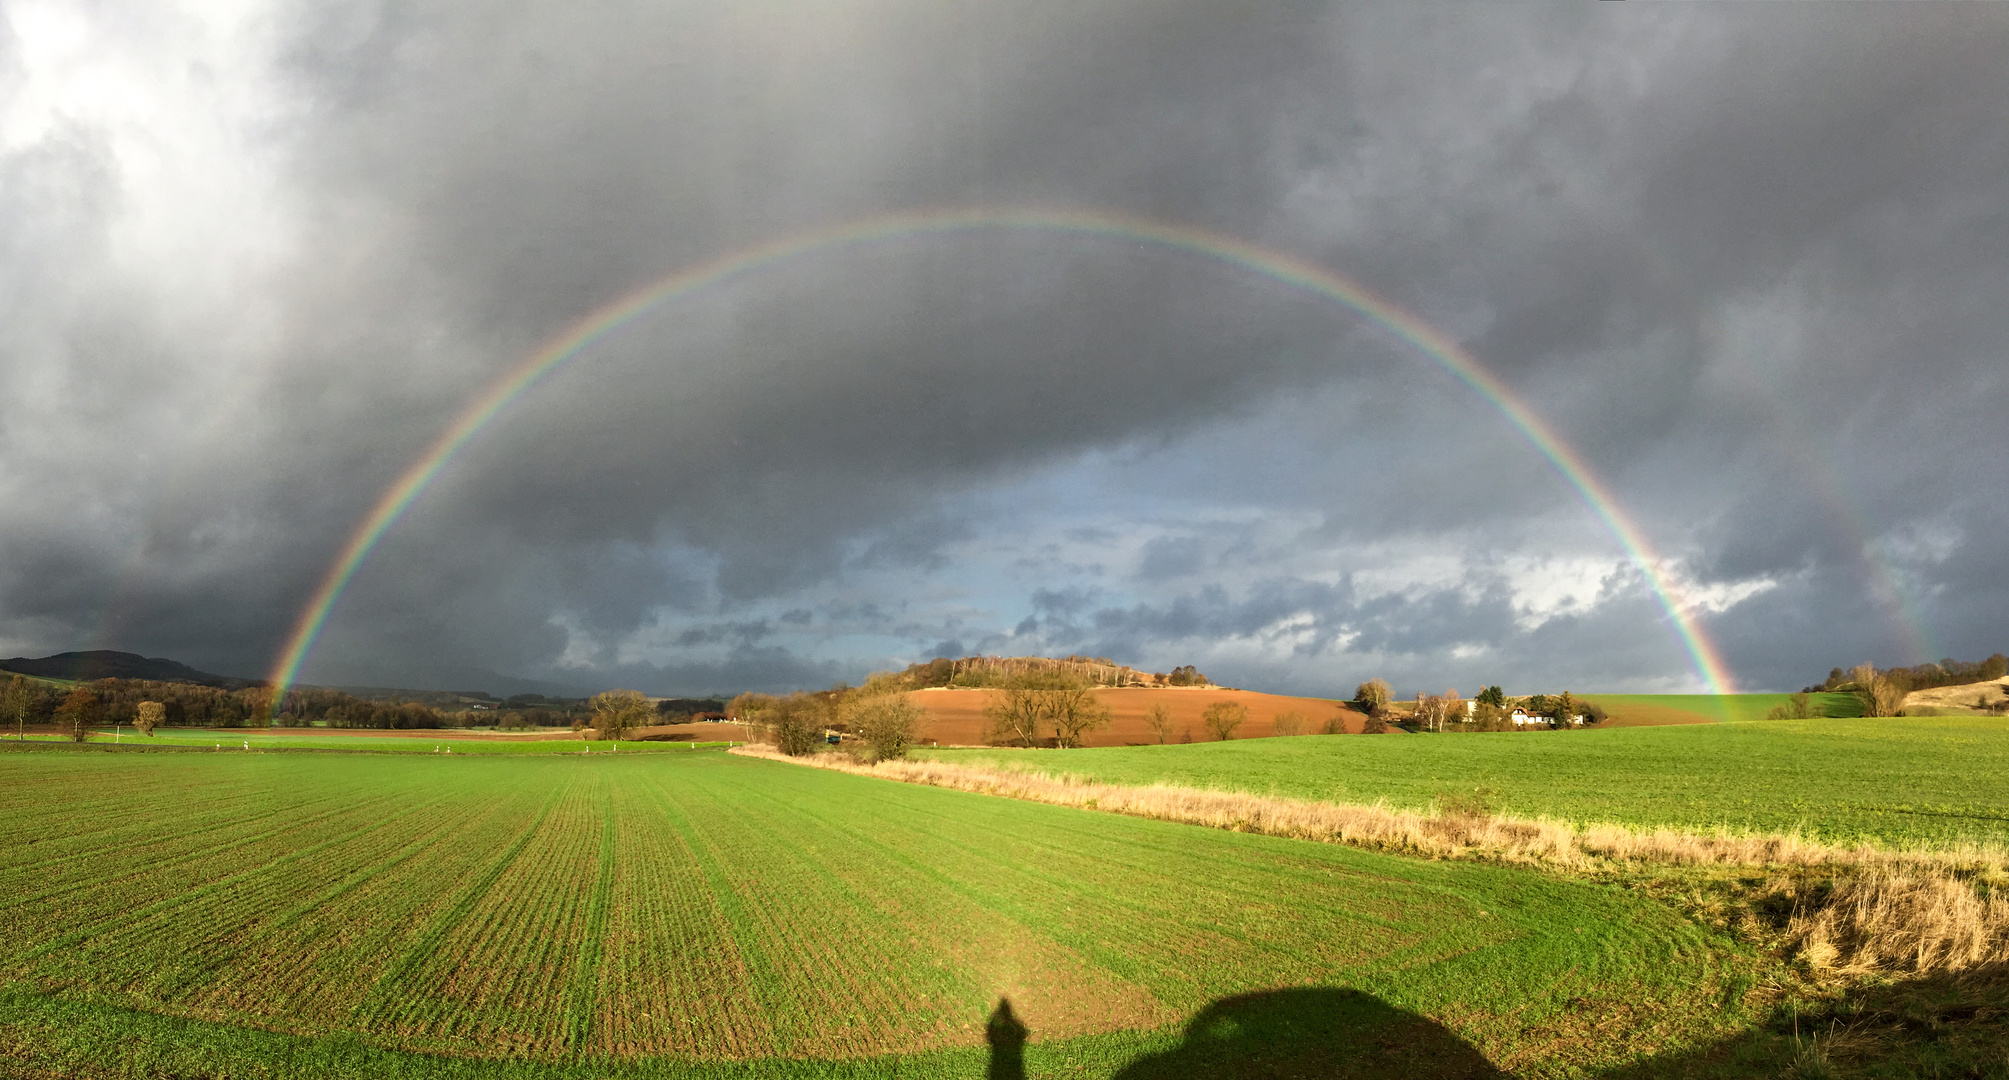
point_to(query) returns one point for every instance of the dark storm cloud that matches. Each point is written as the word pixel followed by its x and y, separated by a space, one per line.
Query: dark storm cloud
pixel 1750 260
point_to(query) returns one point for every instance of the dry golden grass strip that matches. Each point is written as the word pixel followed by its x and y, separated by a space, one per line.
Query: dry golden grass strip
pixel 1865 908
pixel 1884 919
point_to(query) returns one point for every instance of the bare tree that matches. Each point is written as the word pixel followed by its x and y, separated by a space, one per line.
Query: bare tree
pixel 1288 723
pixel 1882 692
pixel 1016 714
pixel 618 712
pixel 148 715
pixel 17 698
pixel 1075 711
pixel 1158 720
pixel 1223 718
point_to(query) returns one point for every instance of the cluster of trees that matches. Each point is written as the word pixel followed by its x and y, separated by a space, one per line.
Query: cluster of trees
pixel 881 721
pixel 1490 710
pixel 1947 672
pixel 1036 703
pixel 998 672
pixel 1882 690
pixel 1183 676
pixel 119 701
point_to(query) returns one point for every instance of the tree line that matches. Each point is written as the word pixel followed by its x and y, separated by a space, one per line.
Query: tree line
pixel 1882 690
pixel 1490 710
pixel 25 702
pixel 996 672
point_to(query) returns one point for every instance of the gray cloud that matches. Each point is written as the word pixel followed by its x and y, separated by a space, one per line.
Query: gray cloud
pixel 1748 260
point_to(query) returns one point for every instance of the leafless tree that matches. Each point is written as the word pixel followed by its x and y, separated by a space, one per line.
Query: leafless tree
pixel 16 699
pixel 1158 720
pixel 1223 718
pixel 148 715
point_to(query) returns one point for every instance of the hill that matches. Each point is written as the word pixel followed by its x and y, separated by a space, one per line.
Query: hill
pixel 956 717
pixel 106 664
pixel 1976 697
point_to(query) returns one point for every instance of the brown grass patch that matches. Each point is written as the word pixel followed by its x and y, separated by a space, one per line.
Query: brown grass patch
pixel 1848 909
pixel 1961 697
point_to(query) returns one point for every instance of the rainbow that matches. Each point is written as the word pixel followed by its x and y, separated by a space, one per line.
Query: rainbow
pixel 1286 269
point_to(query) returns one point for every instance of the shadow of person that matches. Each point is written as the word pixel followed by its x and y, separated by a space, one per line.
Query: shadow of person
pixel 1007 1038
pixel 1312 1032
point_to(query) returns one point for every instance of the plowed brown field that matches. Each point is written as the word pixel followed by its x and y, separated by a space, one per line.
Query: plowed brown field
pixel 956 717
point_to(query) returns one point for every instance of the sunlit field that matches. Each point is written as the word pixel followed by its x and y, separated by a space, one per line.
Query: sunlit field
pixel 699 914
pixel 1906 781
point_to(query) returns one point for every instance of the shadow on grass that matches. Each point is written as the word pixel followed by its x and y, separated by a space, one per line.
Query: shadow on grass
pixel 1311 1032
pixel 1939 1026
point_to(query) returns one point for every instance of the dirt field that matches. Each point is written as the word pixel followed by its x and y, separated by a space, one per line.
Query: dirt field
pixel 956 717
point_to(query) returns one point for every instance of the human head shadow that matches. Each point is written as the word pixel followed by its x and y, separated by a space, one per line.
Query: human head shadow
pixel 1006 1035
pixel 1312 1032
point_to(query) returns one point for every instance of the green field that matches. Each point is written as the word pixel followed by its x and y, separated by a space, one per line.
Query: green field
pixel 1631 709
pixel 699 914
pixel 242 739
pixel 1909 781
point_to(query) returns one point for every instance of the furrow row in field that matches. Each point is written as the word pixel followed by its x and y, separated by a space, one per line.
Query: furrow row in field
pixel 164 871
pixel 995 949
pixel 505 969
pixel 388 994
pixel 177 952
pixel 312 973
pixel 76 912
pixel 675 981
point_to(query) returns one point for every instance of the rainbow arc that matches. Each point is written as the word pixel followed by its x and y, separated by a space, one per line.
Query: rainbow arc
pixel 1283 268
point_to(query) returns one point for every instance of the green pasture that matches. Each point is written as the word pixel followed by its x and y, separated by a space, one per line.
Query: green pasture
pixel 242 739
pixel 1630 709
pixel 1927 781
pixel 707 915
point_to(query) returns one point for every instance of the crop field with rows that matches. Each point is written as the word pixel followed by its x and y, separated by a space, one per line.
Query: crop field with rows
pixel 697 914
pixel 1903 781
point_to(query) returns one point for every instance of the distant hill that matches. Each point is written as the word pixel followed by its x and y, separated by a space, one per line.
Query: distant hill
pixel 106 664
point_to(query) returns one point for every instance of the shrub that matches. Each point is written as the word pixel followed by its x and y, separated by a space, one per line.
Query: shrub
pixel 887 725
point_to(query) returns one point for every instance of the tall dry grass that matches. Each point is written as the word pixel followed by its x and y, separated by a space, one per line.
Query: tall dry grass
pixel 1865 908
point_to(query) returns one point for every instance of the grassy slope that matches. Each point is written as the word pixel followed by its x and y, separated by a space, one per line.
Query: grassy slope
pixel 1641 709
pixel 1931 780
pixel 197 914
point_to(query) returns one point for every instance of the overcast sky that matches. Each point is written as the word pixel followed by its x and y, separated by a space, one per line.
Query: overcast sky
pixel 1751 261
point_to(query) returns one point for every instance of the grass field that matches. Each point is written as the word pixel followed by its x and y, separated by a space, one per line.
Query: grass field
pixel 1909 781
pixel 194 914
pixel 242 739
pixel 1645 709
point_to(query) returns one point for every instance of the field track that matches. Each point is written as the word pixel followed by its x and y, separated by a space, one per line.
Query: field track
pixel 701 907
